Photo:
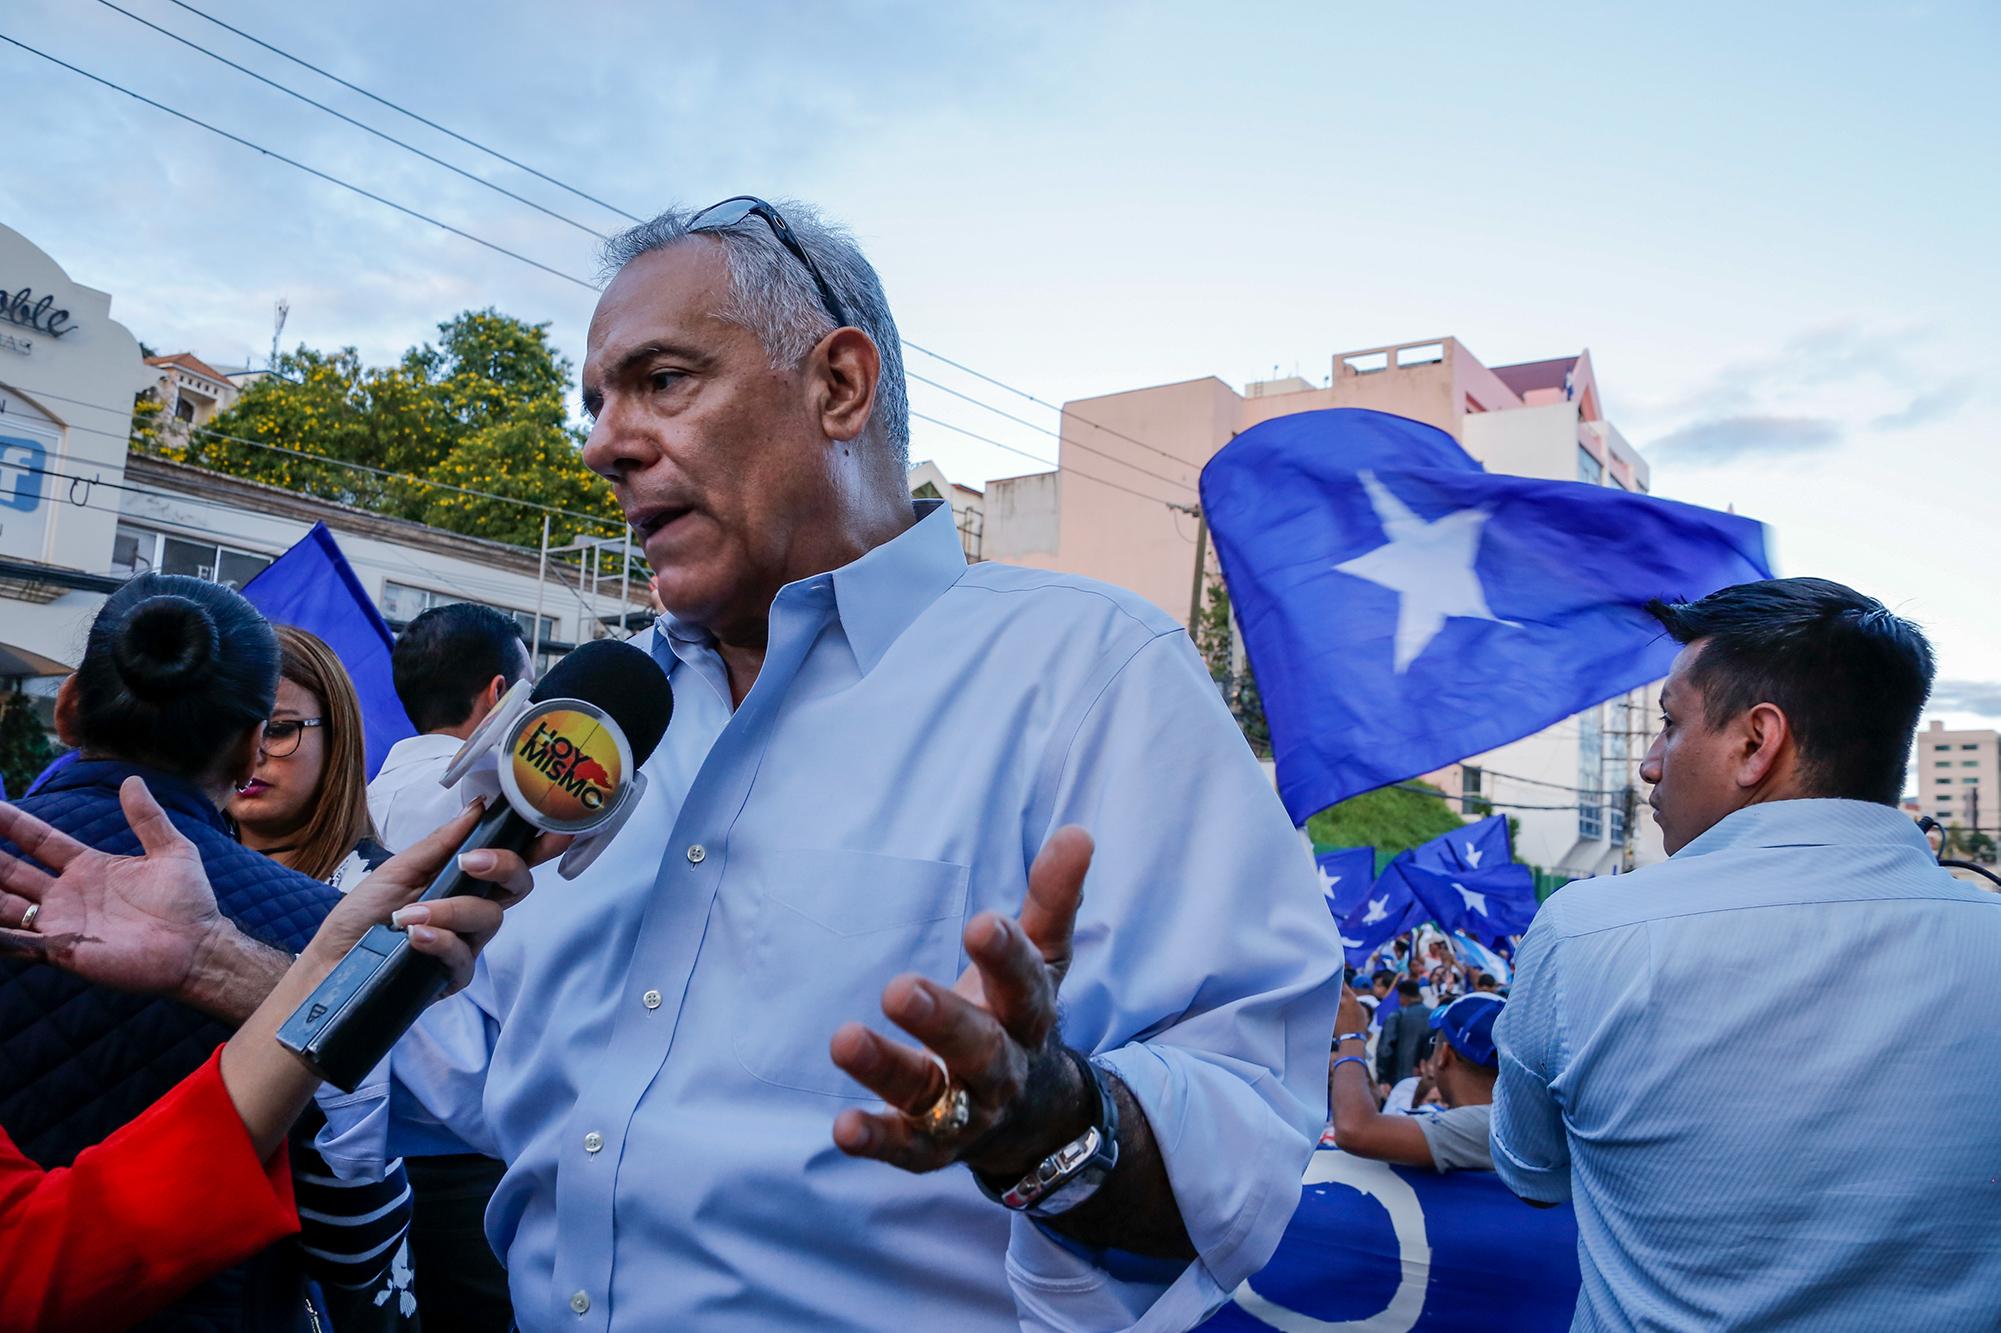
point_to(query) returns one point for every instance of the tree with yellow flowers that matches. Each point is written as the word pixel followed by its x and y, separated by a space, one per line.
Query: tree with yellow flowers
pixel 481 410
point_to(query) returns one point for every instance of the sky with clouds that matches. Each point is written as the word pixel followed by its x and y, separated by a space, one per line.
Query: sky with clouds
pixel 1773 225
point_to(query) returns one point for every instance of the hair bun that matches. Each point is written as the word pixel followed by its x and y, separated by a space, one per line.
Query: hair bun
pixel 165 645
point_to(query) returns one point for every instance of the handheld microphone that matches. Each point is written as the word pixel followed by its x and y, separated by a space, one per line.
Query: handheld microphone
pixel 570 762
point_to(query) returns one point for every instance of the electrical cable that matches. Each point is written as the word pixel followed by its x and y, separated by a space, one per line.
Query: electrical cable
pixel 1057 435
pixel 360 125
pixel 402 110
pixel 311 171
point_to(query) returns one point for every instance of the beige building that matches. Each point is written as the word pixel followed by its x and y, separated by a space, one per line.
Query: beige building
pixel 1959 777
pixel 928 482
pixel 1122 506
pixel 190 391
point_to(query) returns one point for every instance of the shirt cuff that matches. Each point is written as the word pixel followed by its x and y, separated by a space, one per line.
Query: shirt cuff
pixel 1542 1184
pixel 195 1132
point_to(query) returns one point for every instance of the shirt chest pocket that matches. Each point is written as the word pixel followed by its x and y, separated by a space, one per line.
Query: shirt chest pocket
pixel 827 931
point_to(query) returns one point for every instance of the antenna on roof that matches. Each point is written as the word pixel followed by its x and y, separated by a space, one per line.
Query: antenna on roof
pixel 279 311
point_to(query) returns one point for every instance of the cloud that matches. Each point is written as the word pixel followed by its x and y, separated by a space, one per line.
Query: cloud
pixel 1721 439
pixel 1982 697
pixel 1932 405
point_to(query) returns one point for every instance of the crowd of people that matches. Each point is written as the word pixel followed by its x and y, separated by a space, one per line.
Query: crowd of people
pixel 727 1078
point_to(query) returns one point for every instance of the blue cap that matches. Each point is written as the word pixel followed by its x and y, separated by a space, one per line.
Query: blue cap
pixel 1468 1023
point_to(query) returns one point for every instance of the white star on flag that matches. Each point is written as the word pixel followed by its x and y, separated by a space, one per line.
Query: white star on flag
pixel 1476 901
pixel 1472 856
pixel 1379 910
pixel 1350 944
pixel 1327 883
pixel 1428 565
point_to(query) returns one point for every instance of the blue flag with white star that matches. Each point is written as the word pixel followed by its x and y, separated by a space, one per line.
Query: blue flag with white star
pixel 1403 608
pixel 1345 876
pixel 1481 845
pixel 1386 911
pixel 1487 904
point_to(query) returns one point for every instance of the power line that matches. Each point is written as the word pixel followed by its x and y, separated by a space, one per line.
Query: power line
pixel 212 433
pixel 563 185
pixel 554 272
pixel 360 125
pixel 1074 472
pixel 311 171
pixel 1023 393
pixel 1023 421
pixel 402 110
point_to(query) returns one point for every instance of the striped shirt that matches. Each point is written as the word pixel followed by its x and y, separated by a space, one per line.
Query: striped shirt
pixel 1721 1060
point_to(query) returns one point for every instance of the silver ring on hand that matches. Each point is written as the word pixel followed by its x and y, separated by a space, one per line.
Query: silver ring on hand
pixel 28 917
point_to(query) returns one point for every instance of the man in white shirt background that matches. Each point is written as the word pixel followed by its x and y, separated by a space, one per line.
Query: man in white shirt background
pixel 451 664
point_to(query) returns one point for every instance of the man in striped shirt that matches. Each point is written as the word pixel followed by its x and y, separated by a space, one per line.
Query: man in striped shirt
pixel 1713 1057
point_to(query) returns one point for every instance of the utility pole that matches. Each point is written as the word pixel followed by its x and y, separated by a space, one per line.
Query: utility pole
pixel 541 582
pixel 279 312
pixel 1201 565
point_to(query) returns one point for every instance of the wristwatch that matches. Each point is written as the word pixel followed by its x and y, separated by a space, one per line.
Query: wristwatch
pixel 1075 1171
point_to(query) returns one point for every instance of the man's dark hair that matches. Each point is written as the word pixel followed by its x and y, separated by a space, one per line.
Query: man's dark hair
pixel 1409 989
pixel 447 655
pixel 1383 977
pixel 1850 675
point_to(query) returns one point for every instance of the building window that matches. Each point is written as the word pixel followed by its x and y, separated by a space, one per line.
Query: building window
pixel 1969 763
pixel 403 603
pixel 1945 781
pixel 1969 747
pixel 1589 468
pixel 1590 775
pixel 139 550
pixel 1941 747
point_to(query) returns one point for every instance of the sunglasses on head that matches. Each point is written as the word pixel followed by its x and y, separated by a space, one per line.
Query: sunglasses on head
pixel 722 216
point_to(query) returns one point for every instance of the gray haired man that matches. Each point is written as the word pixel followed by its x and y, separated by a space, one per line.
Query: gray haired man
pixel 831 943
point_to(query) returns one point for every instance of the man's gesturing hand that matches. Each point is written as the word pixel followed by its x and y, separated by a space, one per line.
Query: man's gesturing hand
pixel 994 1031
pixel 140 923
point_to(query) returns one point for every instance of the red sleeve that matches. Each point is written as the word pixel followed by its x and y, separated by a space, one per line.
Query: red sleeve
pixel 174 1197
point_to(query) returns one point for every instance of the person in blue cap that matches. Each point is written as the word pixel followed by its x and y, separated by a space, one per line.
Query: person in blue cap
pixel 1463 1064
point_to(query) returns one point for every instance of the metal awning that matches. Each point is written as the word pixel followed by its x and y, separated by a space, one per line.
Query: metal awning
pixel 18 662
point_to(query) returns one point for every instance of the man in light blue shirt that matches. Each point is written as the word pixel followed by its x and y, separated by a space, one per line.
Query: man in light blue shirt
pixel 1768 1071
pixel 703 1060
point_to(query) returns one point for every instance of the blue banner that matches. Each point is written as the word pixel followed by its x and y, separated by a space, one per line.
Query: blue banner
pixel 1486 904
pixel 313 587
pixel 1396 1249
pixel 1403 608
pixel 1481 845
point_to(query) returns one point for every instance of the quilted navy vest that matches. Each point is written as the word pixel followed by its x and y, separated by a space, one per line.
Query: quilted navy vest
pixel 79 1060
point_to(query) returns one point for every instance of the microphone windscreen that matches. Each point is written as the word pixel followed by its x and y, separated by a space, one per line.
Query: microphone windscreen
pixel 624 681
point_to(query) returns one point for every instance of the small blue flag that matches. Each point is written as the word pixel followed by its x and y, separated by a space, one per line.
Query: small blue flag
pixel 1346 873
pixel 1398 1247
pixel 1385 912
pixel 1403 608
pixel 1486 904
pixel 1481 845
pixel 313 587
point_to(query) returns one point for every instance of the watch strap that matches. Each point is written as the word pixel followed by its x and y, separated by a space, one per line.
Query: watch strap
pixel 1075 1171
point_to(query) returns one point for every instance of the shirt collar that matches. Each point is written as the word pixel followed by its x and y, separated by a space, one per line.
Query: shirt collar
pixel 1815 822
pixel 414 749
pixel 878 594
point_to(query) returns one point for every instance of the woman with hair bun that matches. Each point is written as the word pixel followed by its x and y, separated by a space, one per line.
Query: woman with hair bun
pixel 178 678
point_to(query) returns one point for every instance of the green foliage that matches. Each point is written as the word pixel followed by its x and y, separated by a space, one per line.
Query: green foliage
pixel 1969 844
pixel 24 746
pixel 1213 638
pixel 482 410
pixel 1390 819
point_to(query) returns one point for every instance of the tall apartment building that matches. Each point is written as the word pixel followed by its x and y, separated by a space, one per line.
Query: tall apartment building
pixel 1959 777
pixel 1121 507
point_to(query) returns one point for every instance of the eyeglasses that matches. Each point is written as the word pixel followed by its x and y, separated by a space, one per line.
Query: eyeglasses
pixel 281 738
pixel 723 216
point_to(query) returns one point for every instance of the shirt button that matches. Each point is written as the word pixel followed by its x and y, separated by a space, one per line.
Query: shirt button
pixel 593 1141
pixel 651 999
pixel 696 854
pixel 581 1303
